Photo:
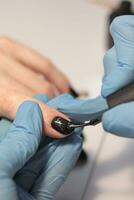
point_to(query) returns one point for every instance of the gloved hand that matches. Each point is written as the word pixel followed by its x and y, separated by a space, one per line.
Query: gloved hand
pixel 19 145
pixel 119 71
pixel 42 168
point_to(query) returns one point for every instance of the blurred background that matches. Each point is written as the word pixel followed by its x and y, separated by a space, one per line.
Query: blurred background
pixel 74 34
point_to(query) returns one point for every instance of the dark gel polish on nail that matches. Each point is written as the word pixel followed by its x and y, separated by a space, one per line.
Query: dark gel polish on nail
pixel 62 125
pixel 73 92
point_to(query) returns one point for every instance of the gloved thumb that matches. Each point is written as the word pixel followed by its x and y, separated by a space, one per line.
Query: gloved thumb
pixel 120 120
pixel 19 145
pixel 29 118
pixel 24 134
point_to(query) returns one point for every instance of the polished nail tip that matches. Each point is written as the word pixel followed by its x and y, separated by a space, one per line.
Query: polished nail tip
pixel 73 92
pixel 62 125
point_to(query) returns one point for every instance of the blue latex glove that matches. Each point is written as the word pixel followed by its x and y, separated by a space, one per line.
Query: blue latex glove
pixel 46 171
pixel 39 173
pixel 19 145
pixel 41 176
pixel 119 71
pixel 50 166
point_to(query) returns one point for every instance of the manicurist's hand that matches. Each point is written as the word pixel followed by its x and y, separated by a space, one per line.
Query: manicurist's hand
pixel 33 167
pixel 119 71
pixel 25 70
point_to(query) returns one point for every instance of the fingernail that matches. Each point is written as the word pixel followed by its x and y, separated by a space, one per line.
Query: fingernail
pixel 73 92
pixel 62 125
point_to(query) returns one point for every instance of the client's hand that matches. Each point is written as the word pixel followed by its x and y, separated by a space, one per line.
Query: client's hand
pixel 27 71
pixel 11 100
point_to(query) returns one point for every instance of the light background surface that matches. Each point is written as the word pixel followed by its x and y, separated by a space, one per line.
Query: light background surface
pixel 73 34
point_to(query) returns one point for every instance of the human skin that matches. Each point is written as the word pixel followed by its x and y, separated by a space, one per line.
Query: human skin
pixel 27 71
pixel 11 101
pixel 24 73
pixel 21 78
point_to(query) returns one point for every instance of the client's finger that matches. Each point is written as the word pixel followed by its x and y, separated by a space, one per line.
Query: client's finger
pixel 37 62
pixel 26 76
pixel 8 83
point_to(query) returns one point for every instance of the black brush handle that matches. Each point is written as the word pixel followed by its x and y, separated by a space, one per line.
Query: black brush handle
pixel 123 95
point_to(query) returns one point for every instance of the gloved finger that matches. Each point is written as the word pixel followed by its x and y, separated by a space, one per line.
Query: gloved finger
pixel 60 158
pixel 60 101
pixel 23 195
pixel 79 110
pixel 26 176
pixel 42 97
pixel 18 146
pixel 45 99
pixel 117 79
pixel 122 30
pixel 29 173
pixel 120 120
pixel 109 62
pixel 5 123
